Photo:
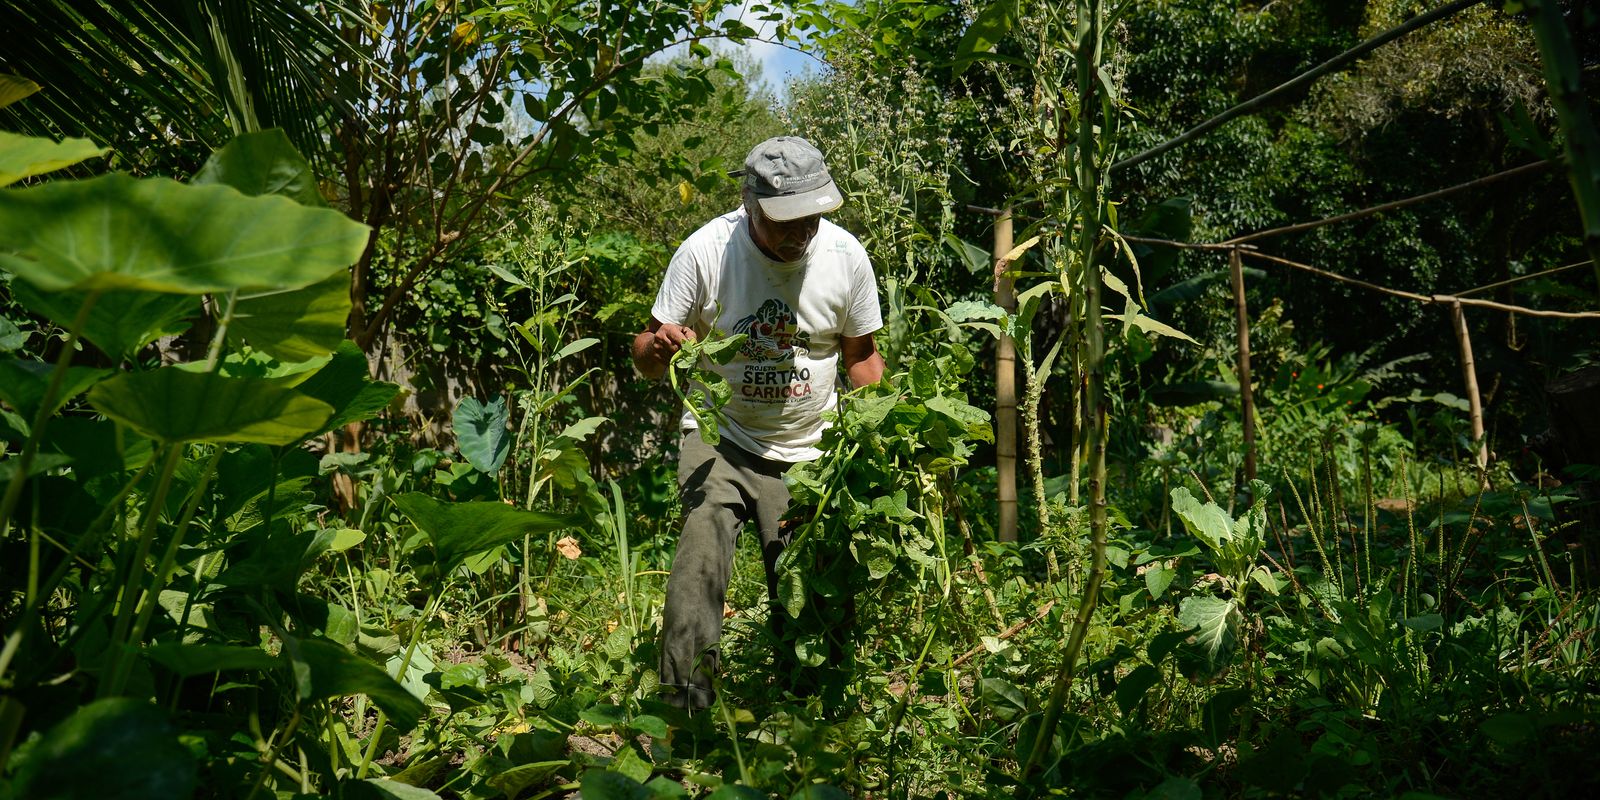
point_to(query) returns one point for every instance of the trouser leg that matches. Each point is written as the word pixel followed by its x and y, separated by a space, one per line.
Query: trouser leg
pixel 722 489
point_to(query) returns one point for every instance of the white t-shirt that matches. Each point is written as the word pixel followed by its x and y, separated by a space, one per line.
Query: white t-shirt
pixel 795 315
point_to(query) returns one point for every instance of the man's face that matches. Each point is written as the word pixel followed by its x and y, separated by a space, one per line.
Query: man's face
pixel 783 241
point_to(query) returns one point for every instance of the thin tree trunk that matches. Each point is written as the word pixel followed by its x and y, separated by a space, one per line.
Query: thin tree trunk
pixel 1247 406
pixel 1469 375
pixel 1005 448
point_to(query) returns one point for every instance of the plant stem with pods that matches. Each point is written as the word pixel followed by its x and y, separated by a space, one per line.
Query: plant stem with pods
pixel 1088 60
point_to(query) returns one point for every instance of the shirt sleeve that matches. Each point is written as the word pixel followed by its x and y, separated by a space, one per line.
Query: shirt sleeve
pixel 864 315
pixel 678 299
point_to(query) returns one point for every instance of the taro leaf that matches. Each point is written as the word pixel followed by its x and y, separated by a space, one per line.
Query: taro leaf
pixel 601 785
pixel 262 162
pixel 459 531
pixel 204 659
pixel 1214 633
pixel 518 779
pixel 175 405
pixel 345 385
pixel 119 747
pixel 26 156
pixel 1207 521
pixel 121 322
pixel 23 384
pixel 96 446
pixel 1131 689
pixel 332 671
pixel 154 234
pixel 295 324
pixel 819 791
pixel 481 433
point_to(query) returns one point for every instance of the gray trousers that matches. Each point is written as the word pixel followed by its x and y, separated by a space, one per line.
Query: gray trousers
pixel 722 488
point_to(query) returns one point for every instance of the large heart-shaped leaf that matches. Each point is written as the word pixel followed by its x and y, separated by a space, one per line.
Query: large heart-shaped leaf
pixel 344 384
pixel 26 156
pixel 481 433
pixel 295 324
pixel 23 385
pixel 155 234
pixel 1214 623
pixel 118 747
pixel 459 531
pixel 263 162
pixel 120 322
pixel 175 405
pixel 326 670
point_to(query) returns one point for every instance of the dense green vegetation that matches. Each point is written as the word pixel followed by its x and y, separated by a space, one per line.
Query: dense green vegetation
pixel 327 474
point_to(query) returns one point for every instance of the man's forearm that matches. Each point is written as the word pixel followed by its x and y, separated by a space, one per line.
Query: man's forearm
pixel 866 372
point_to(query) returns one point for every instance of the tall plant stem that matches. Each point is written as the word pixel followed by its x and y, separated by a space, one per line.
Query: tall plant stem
pixel 405 663
pixel 170 558
pixel 41 418
pixel 1563 75
pixel 1033 390
pixel 121 646
pixel 1088 62
pixel 1005 385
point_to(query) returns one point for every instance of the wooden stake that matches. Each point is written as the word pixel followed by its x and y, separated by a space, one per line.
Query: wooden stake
pixel 1469 374
pixel 1005 448
pixel 1247 405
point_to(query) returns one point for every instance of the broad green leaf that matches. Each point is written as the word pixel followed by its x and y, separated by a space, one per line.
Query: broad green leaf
pixel 155 234
pixel 520 778
pixel 334 671
pixel 1208 522
pixel 119 747
pixel 1214 626
pixel 1157 328
pixel 260 163
pixel 650 725
pixel 481 433
pixel 1131 689
pixel 174 405
pixel 26 156
pixel 387 789
pixel 572 348
pixel 598 784
pixel 461 530
pixel 604 715
pixel 991 25
pixel 23 385
pixel 968 310
pixel 1268 581
pixel 1157 578
pixel 41 464
pixel 792 592
pixel 583 428
pixel 344 539
pixel 14 88
pixel 203 659
pixel 629 763
pixel 121 322
pixel 811 650
pixel 11 337
pixel 344 384
pixel 295 324
pixel 974 257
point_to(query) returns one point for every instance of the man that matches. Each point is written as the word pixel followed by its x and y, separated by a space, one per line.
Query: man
pixel 803 291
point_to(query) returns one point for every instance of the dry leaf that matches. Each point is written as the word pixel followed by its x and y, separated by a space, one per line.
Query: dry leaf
pixel 568 548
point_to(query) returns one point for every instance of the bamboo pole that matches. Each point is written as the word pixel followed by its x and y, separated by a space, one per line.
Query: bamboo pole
pixel 1469 374
pixel 1247 406
pixel 1005 358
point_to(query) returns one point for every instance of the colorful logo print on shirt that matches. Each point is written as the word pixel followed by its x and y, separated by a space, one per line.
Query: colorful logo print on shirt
pixel 774 337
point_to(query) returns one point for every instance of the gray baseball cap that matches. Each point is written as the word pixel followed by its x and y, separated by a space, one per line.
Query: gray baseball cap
pixel 789 180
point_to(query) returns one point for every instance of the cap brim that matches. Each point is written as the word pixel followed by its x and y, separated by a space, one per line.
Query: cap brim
pixel 783 208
